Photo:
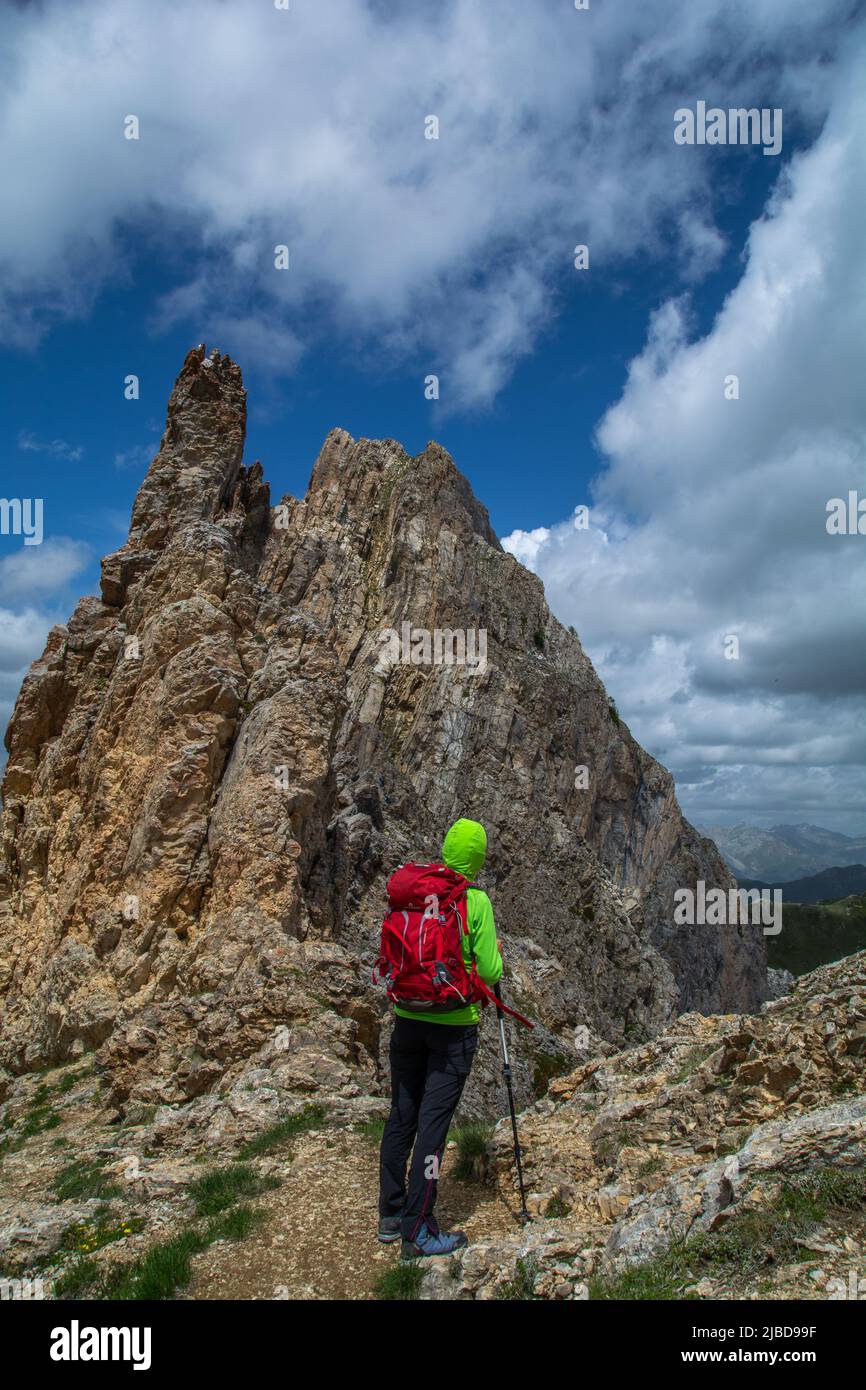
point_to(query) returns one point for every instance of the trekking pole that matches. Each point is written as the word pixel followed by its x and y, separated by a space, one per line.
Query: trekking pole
pixel 506 1072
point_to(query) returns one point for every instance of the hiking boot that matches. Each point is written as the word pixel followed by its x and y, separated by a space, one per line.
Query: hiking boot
pixel 429 1242
pixel 389 1229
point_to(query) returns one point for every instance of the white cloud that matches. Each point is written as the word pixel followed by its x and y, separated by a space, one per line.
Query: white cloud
pixel 526 546
pixel 709 515
pixel 57 448
pixel 556 126
pixel 39 570
pixel 22 639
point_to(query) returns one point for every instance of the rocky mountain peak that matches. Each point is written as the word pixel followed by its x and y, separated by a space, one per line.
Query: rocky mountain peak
pixel 214 766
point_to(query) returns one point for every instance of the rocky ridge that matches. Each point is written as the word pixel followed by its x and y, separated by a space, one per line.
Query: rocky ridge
pixel 211 773
pixel 693 1142
pixel 691 1135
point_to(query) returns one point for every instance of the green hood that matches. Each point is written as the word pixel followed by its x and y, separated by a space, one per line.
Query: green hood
pixel 465 847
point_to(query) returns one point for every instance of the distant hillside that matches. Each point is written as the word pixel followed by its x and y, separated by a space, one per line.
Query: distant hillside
pixel 784 852
pixel 815 934
pixel 828 885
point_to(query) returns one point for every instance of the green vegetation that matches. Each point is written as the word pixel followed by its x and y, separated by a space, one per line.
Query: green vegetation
pixel 538 638
pixel 608 1145
pixel 40 1118
pixel 79 1276
pixel 87 1236
pixel 309 1118
pixel 166 1266
pixel 9 1143
pixel 401 1281
pixel 557 1206
pixel 612 709
pixel 371 1129
pixel 651 1165
pixel 746 1243
pixel 84 1178
pixel 471 1141
pixel 693 1059
pixel 219 1188
pixel 521 1286
pixel 814 934
pixel 70 1079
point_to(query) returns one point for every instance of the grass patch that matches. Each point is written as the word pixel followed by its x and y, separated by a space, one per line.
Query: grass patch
pixel 9 1144
pixel 86 1236
pixel 40 1118
pixel 309 1118
pixel 82 1274
pixel 71 1079
pixel 557 1206
pixel 608 1145
pixel 219 1188
pixel 846 1085
pixel 650 1166
pixel 693 1059
pixel 372 1129
pixel 749 1241
pixel 520 1288
pixel 234 1224
pixel 161 1271
pixel 401 1282
pixel 84 1178
pixel 471 1141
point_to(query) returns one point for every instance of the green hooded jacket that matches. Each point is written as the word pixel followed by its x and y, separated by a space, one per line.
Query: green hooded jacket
pixel 464 849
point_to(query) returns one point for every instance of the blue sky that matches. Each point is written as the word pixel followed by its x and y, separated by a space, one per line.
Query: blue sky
pixel 558 387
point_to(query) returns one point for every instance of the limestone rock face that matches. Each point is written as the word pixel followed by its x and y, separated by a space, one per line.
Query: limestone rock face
pixel 214 766
pixel 637 1151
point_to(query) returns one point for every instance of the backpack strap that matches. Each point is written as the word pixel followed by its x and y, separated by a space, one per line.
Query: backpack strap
pixel 488 996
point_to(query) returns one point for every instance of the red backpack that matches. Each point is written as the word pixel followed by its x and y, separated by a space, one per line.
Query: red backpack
pixel 420 956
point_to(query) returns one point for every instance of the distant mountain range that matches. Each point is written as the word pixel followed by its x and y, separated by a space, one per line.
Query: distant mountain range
pixel 829 884
pixel 783 853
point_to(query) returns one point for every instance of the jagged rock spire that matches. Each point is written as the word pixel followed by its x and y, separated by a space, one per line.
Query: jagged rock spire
pixel 211 774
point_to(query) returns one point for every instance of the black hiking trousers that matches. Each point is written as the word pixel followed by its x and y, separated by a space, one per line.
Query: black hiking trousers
pixel 429 1066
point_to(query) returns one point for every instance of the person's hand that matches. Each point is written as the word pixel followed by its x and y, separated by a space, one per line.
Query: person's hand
pixel 499 945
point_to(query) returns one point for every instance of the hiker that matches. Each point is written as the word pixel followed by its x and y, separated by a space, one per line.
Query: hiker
pixel 432 1048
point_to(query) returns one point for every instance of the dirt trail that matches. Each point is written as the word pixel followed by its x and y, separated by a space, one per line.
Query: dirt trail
pixel 317 1236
